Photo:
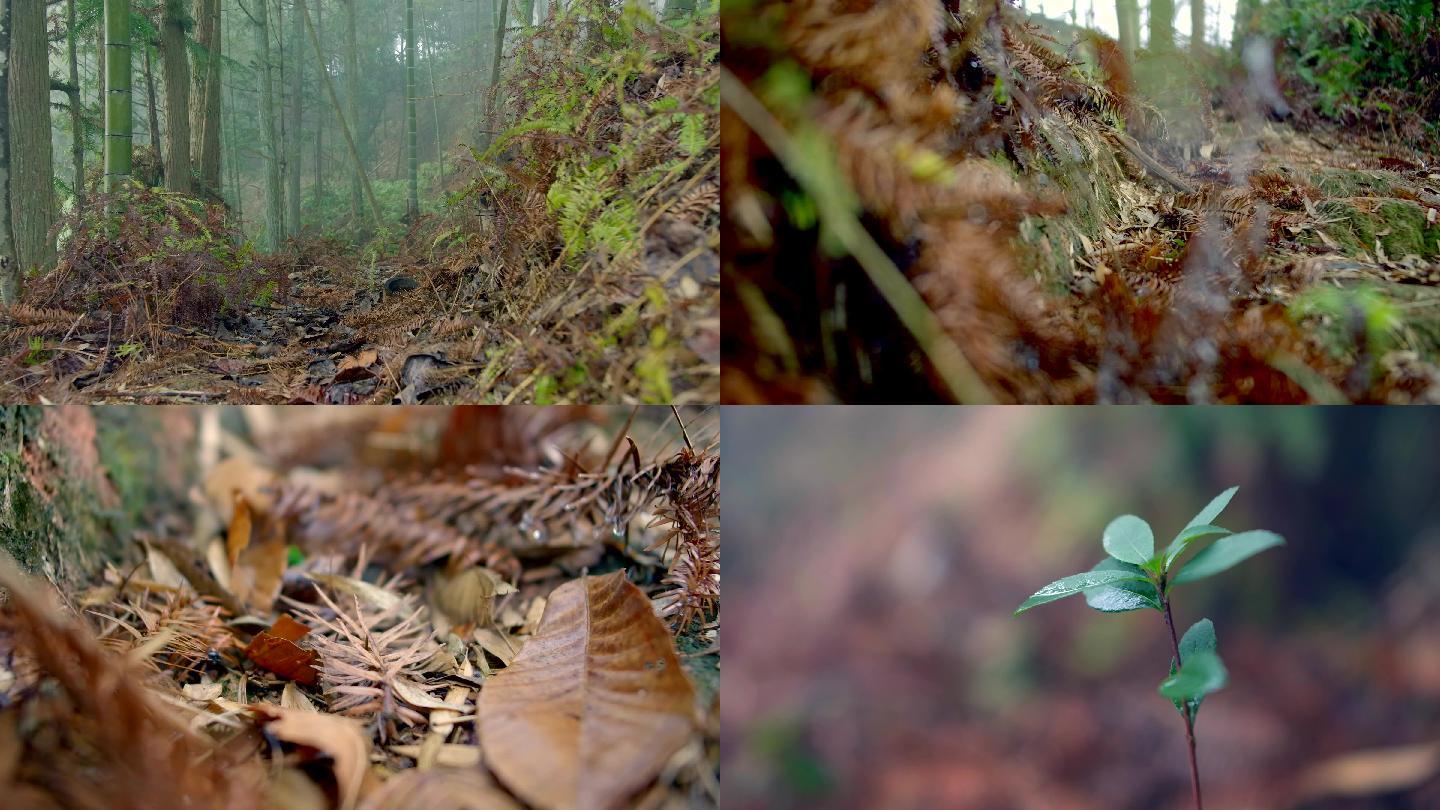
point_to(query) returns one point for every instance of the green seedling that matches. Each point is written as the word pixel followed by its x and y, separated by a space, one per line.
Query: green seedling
pixel 1136 576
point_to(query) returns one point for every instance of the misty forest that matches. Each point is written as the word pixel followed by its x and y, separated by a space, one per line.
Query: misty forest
pixel 1080 201
pixel 339 201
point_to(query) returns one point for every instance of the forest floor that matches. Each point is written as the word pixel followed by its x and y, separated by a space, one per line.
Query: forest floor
pixel 356 592
pixel 576 259
pixel 1065 234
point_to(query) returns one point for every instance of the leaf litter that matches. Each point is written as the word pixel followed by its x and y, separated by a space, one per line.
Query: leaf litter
pixel 365 677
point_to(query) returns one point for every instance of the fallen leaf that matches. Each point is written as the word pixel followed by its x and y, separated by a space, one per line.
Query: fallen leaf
pixel 594 706
pixel 415 694
pixel 342 739
pixel 469 596
pixel 292 698
pixel 258 555
pixel 450 755
pixel 275 650
pixel 368 593
pixel 203 691
pixel 243 474
pixel 1375 772
pixel 440 790
pixel 359 360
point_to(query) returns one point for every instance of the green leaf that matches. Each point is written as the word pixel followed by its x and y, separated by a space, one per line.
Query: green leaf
pixel 1213 509
pixel 1199 638
pixel 1227 552
pixel 1187 536
pixel 1199 675
pixel 1073 584
pixel 1121 596
pixel 1129 539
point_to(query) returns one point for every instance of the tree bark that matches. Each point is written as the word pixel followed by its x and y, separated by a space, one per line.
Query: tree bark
pixel 267 127
pixel 77 122
pixel 293 125
pixel 205 100
pixel 83 479
pixel 492 117
pixel 486 22
pixel 1197 25
pixel 176 64
pixel 118 107
pixel 152 111
pixel 352 94
pixel 340 118
pixel 33 160
pixel 412 205
pixel 1162 26
pixel 1127 14
pixel 9 267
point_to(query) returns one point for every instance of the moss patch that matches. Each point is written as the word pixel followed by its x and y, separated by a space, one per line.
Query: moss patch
pixel 1399 226
pixel 54 522
pixel 1348 183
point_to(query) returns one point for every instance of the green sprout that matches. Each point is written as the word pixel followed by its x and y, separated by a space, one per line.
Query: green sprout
pixel 1136 576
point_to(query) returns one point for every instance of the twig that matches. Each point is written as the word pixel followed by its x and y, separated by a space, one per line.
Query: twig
pixel 1185 707
pixel 950 363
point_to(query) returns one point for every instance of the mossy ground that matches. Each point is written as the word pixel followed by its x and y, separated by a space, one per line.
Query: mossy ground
pixel 55 522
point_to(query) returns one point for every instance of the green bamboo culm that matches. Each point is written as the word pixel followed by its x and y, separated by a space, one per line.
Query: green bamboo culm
pixel 412 206
pixel 117 94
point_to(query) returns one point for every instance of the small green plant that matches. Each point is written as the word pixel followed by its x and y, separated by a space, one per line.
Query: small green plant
pixel 1135 577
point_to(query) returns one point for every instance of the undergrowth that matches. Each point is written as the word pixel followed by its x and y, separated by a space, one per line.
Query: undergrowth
pixel 145 259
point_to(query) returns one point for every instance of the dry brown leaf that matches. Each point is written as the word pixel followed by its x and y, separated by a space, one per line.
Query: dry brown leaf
pixel 439 790
pixel 450 755
pixel 342 739
pixel 469 596
pixel 292 698
pixel 415 694
pixel 1371 773
pixel 594 706
pixel 275 649
pixel 363 359
pixel 239 474
pixel 368 593
pixel 257 551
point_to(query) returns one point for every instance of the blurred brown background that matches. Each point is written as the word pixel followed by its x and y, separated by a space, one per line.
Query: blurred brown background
pixel 876 554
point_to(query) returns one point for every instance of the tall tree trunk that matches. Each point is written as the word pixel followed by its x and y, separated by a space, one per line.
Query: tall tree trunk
pixel 492 119
pixel 77 122
pixel 412 205
pixel 485 20
pixel 269 135
pixel 340 118
pixel 176 63
pixel 33 161
pixel 352 100
pixel 293 125
pixel 205 101
pixel 319 186
pixel 1127 14
pixel 118 108
pixel 9 267
pixel 1162 26
pixel 1245 14
pixel 1197 25
pixel 152 111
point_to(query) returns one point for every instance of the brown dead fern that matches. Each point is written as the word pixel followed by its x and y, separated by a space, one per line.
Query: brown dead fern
pixel 100 738
pixel 372 658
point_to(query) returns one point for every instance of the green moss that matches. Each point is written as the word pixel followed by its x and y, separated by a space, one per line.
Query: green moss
pixel 1346 183
pixel 1399 226
pixel 66 531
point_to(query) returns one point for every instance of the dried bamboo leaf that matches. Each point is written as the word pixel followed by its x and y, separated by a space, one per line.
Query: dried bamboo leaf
pixel 343 740
pixel 594 706
pixel 439 790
